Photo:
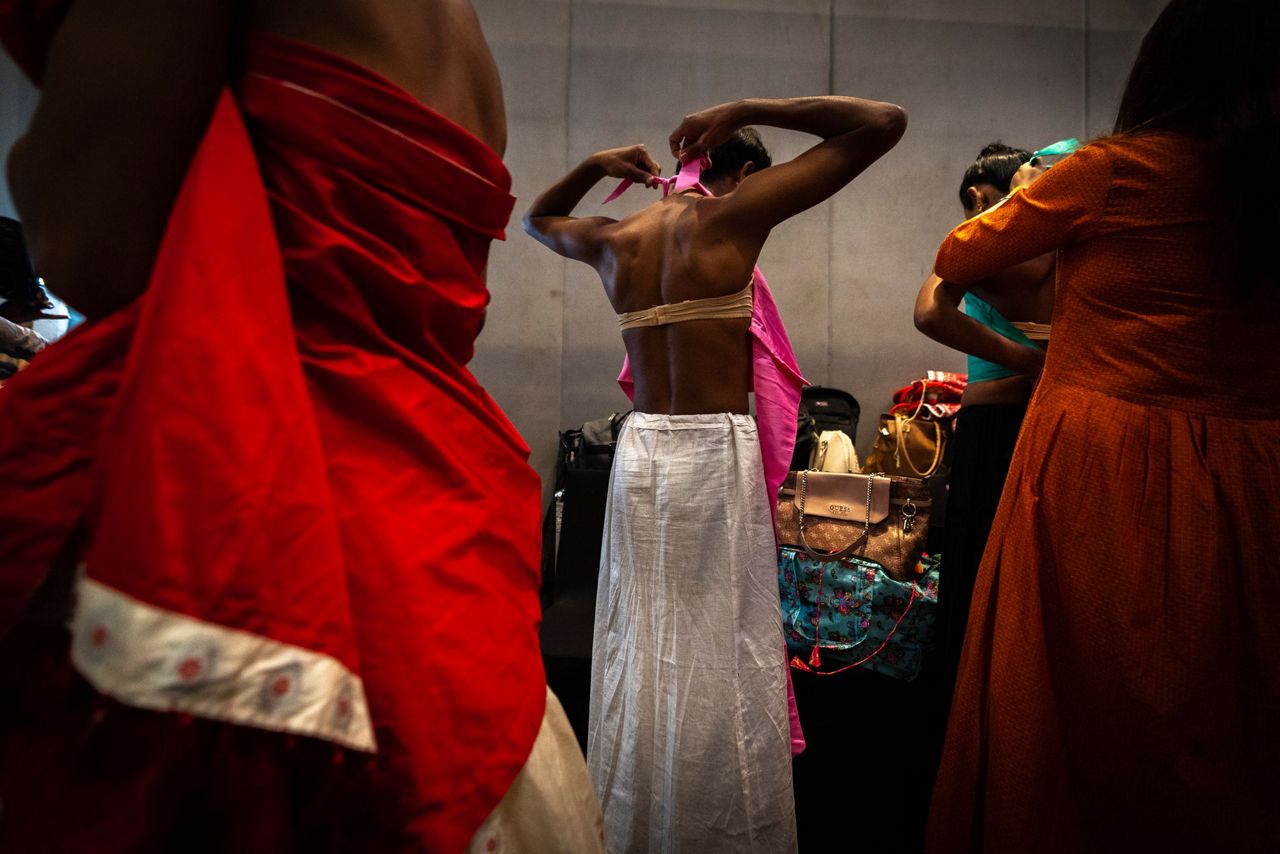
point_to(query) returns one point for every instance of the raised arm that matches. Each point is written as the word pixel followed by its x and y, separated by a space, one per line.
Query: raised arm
pixel 1063 205
pixel 129 87
pixel 549 219
pixel 855 134
pixel 938 316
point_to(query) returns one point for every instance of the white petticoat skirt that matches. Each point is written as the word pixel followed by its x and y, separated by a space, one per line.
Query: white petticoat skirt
pixel 689 745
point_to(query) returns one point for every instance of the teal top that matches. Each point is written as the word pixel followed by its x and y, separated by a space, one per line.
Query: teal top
pixel 1059 149
pixel 980 370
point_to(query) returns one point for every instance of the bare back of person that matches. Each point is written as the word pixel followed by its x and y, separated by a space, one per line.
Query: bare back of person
pixel 691 246
pixel 666 254
pixel 1024 292
pixel 95 175
pixel 434 50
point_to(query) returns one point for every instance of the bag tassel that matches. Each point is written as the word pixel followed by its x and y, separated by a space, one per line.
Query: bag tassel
pixel 801 666
pixel 815 660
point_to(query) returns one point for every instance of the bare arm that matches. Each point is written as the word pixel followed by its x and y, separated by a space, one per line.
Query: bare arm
pixel 129 89
pixel 938 316
pixel 549 219
pixel 855 134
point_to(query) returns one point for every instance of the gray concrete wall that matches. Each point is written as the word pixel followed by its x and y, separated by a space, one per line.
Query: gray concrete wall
pixel 580 75
pixel 17 100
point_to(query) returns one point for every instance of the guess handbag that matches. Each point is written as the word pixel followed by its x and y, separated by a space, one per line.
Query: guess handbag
pixel 882 519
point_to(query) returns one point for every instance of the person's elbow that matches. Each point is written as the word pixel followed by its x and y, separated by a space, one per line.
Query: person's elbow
pixel 927 318
pixel 534 227
pixel 891 124
pixel 542 231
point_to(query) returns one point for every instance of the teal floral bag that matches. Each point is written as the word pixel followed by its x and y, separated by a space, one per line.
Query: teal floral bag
pixel 843 613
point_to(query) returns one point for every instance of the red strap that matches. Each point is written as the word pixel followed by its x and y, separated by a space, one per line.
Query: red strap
pixel 815 660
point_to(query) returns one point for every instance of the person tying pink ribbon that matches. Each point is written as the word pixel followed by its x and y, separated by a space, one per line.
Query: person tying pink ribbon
pixel 690 737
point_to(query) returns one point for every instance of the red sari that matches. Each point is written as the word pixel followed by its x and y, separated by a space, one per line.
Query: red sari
pixel 266 466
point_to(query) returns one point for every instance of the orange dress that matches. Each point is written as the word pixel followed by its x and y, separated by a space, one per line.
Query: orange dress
pixel 1119 686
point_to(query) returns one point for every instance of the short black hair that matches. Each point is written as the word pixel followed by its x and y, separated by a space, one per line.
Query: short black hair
pixel 745 146
pixel 18 280
pixel 996 165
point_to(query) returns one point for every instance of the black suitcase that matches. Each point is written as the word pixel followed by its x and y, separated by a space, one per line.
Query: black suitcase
pixel 572 534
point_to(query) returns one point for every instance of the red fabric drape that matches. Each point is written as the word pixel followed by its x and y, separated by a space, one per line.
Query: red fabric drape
pixel 281 437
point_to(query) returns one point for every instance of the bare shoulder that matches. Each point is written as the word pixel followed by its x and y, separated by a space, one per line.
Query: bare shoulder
pixel 434 50
pixel 714 230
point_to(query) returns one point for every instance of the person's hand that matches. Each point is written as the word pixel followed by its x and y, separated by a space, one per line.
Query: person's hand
pixel 700 132
pixel 1031 364
pixel 24 312
pixel 632 162
pixel 1026 175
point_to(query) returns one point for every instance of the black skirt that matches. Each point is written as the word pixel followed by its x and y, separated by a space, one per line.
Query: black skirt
pixel 980 455
pixel 874 742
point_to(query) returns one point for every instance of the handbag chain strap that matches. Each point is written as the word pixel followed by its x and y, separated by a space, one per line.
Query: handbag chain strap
pixel 866 525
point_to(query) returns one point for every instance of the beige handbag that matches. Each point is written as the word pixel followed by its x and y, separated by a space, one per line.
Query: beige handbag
pixel 834 452
pixel 830 515
pixel 906 445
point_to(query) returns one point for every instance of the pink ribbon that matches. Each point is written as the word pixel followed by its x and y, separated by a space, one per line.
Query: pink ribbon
pixel 686 179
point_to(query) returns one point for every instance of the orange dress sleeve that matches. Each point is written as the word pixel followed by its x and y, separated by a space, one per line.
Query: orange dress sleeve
pixel 1063 206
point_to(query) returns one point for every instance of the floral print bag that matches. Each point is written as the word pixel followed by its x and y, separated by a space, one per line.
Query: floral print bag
pixel 840 613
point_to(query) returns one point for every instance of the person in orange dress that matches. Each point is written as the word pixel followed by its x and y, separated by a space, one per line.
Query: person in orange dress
pixel 1119 687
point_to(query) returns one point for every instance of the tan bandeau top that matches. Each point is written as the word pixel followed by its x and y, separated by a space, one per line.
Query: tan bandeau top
pixel 1034 331
pixel 712 308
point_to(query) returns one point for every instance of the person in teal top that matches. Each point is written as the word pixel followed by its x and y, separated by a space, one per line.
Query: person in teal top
pixel 1002 328
pixel 986 174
